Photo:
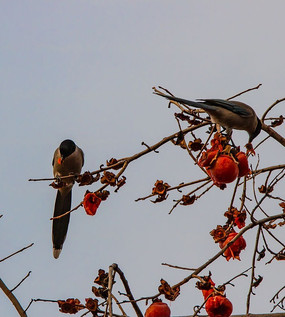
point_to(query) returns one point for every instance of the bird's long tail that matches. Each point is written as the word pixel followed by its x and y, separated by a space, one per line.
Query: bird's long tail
pixel 60 226
pixel 185 101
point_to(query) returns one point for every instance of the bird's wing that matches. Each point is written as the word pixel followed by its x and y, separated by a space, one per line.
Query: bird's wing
pixel 232 106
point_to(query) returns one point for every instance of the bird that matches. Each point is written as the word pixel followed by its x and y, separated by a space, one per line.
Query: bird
pixel 68 159
pixel 230 114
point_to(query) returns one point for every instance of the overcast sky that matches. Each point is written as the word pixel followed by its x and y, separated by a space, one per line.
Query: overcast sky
pixel 84 70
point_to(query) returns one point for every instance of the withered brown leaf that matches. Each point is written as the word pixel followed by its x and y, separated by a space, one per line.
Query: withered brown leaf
pixel 91 304
pixel 277 122
pixel 86 179
pixel 169 292
pixel 102 278
pixel 108 178
pixel 195 145
pixel 113 161
pixel 188 200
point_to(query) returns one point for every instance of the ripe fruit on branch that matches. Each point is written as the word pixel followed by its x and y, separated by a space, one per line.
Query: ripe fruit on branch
pixel 224 169
pixel 158 309
pixel 242 164
pixel 218 306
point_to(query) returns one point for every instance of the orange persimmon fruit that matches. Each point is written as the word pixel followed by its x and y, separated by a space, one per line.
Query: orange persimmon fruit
pixel 218 306
pixel 91 203
pixel 242 164
pixel 158 309
pixel 224 170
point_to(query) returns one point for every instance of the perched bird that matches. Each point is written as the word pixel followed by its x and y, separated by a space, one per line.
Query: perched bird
pixel 229 114
pixel 68 159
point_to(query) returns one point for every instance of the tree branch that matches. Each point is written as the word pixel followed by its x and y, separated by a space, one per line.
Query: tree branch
pixel 13 299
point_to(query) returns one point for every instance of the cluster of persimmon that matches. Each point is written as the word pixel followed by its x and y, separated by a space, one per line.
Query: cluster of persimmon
pixel 225 234
pixel 223 163
pixel 217 304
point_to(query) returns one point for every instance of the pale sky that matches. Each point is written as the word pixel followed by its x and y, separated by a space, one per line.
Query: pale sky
pixel 84 70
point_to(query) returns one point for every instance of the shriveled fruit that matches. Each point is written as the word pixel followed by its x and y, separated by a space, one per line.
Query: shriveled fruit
pixel 158 309
pixel 234 249
pixel 218 306
pixel 209 290
pixel 224 170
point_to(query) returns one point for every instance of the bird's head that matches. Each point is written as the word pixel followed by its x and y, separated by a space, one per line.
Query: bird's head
pixel 66 148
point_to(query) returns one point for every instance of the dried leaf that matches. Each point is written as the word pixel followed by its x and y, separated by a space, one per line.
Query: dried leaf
pixel 195 145
pixel 108 178
pixel 100 292
pixel 114 161
pixel 159 199
pixel 160 188
pixel 121 182
pixel 180 140
pixel 270 225
pixel 277 122
pixel 263 189
pixel 91 304
pixel 86 179
pixel 188 200
pixel 280 256
pixel 103 194
pixel 102 278
pixel 70 306
pixel 282 205
pixel 261 254
pixel 169 292
pixel 219 234
pixel 257 281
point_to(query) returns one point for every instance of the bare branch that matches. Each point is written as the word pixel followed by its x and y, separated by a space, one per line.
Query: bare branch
pixel 13 299
pixel 128 290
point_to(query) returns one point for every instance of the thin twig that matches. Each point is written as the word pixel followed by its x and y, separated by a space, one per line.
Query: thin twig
pixel 21 250
pixel 245 91
pixel 178 267
pixel 68 212
pixel 252 269
pixel 12 290
pixel 270 108
pixel 241 274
